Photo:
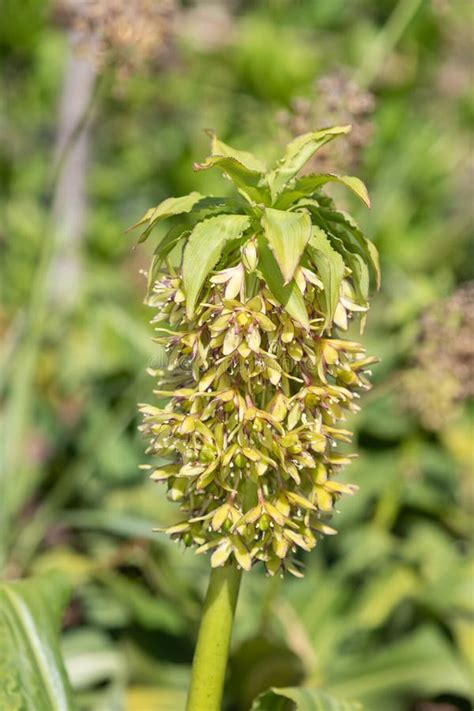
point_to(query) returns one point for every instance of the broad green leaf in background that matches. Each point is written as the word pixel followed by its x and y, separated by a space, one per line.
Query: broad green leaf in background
pixel 307 184
pixel 32 673
pixel 288 295
pixel 288 234
pixel 330 266
pixel 298 152
pixel 203 250
pixel 259 662
pixel 385 591
pixel 422 663
pixel 92 659
pixel 300 699
pixel 113 522
pixel 150 610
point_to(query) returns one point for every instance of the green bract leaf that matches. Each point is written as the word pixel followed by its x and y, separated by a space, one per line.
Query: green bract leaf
pixel 179 206
pixel 358 265
pixel 248 160
pixel 298 152
pixel 203 250
pixel 247 181
pixel 360 276
pixel 164 247
pixel 309 183
pixel 347 229
pixel 288 295
pixel 167 208
pixel 330 268
pixel 300 699
pixel 288 234
pixel 32 673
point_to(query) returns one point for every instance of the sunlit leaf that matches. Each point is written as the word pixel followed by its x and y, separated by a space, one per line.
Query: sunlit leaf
pixel 246 180
pixel 167 208
pixel 32 672
pixel 309 183
pixel 298 152
pixel 248 160
pixel 288 295
pixel 288 234
pixel 203 250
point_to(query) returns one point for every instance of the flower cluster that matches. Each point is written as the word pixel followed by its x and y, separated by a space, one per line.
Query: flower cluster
pixel 255 387
pixel 129 36
pixel 440 378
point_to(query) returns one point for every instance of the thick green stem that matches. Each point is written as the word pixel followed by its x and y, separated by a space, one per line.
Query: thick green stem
pixel 210 657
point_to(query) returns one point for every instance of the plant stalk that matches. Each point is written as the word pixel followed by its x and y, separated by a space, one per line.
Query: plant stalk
pixel 210 657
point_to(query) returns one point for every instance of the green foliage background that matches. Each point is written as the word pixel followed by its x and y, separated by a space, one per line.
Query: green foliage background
pixel 384 614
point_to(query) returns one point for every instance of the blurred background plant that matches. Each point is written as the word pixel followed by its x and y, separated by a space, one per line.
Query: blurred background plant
pixel 384 613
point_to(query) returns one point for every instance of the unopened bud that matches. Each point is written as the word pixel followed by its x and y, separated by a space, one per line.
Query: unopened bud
pixel 249 255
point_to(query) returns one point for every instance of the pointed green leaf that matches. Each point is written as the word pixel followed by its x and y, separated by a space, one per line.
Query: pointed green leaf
pixel 247 180
pixel 164 247
pixel 219 148
pixel 288 234
pixel 203 250
pixel 309 183
pixel 374 259
pixel 288 295
pixel 330 266
pixel 348 230
pixel 298 152
pixel 358 265
pixel 301 699
pixel 360 276
pixel 33 677
pixel 179 206
pixel 167 208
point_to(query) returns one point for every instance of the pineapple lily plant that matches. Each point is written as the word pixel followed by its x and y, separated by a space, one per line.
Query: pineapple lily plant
pixel 259 375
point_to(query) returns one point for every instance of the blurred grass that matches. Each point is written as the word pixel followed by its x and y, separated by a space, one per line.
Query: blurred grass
pixel 385 609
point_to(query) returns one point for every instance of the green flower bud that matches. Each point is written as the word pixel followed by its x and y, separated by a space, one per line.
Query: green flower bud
pixel 249 255
pixel 240 461
pixel 227 525
pixel 207 454
pixel 187 539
